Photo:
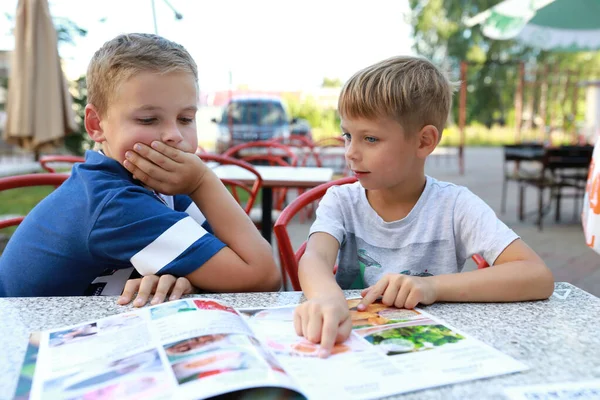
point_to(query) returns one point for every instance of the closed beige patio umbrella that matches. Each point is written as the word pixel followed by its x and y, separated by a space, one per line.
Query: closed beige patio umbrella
pixel 39 109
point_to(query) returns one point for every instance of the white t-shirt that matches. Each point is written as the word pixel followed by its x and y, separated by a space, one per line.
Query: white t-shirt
pixel 447 225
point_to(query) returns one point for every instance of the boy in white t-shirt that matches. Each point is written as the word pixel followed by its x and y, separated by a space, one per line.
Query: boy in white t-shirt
pixel 397 233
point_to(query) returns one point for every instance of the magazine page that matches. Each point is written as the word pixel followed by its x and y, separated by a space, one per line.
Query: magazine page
pixel 185 349
pixel 390 351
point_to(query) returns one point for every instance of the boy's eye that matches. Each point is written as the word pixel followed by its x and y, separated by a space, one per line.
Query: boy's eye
pixel 371 139
pixel 346 136
pixel 186 121
pixel 146 121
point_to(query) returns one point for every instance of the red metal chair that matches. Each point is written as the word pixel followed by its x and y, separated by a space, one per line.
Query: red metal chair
pixel 331 154
pixel 270 153
pixel 305 146
pixel 306 151
pixel 51 159
pixel 289 258
pixel 235 186
pixel 21 181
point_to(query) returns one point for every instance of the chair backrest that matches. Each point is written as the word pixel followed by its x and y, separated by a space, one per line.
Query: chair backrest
pixel 236 186
pixel 21 181
pixel 305 146
pixel 270 153
pixel 571 157
pixel 51 159
pixel 267 151
pixel 288 257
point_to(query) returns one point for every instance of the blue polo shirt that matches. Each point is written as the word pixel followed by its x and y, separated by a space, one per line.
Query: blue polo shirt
pixel 100 223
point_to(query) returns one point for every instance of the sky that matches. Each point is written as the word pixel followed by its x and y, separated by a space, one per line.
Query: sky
pixel 265 44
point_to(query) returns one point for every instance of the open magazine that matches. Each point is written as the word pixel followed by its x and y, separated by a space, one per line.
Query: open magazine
pixel 199 348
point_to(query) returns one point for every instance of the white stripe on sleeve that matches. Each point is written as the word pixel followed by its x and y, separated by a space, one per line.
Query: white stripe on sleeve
pixel 167 247
pixel 194 212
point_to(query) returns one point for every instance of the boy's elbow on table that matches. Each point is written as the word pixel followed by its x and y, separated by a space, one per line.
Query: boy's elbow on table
pixel 544 282
pixel 268 277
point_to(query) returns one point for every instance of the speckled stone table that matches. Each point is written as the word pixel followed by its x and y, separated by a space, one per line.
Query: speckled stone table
pixel 559 338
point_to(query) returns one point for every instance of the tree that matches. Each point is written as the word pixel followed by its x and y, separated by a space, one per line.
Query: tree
pixel 331 83
pixel 440 36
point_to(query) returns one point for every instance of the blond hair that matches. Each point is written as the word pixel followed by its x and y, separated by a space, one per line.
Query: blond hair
pixel 410 90
pixel 122 57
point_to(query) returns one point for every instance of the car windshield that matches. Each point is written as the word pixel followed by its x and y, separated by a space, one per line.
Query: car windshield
pixel 264 113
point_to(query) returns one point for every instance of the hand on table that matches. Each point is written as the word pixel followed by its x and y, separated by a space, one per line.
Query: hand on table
pixel 401 291
pixel 324 320
pixel 159 286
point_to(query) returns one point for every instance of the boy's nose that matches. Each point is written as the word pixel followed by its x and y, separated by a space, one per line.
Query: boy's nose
pixel 351 152
pixel 171 135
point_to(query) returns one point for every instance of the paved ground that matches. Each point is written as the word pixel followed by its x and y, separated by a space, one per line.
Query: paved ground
pixel 561 245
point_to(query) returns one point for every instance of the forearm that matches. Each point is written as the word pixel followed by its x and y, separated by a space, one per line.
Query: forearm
pixel 512 281
pixel 316 278
pixel 229 221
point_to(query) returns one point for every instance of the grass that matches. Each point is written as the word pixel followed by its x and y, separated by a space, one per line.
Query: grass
pixel 477 135
pixel 21 201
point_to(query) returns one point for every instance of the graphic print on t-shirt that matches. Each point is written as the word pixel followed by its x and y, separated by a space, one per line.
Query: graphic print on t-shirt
pixel 364 261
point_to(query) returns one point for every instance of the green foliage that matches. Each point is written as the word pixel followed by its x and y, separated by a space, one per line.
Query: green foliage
pixel 492 75
pixel 331 82
pixel 21 201
pixel 324 122
pixel 436 335
pixel 478 134
pixel 79 141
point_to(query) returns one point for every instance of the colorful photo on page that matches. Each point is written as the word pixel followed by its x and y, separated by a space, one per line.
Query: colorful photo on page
pixel 409 337
pixel 135 377
pixel 378 314
pixel 217 361
pixel 295 346
pixel 118 322
pixel 73 335
pixel 191 347
pixel 280 314
pixel 23 390
pixel 213 305
pixel 172 308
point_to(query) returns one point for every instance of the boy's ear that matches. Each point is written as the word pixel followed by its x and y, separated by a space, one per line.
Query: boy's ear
pixel 429 137
pixel 92 124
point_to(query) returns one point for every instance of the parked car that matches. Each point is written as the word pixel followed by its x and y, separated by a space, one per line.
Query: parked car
pixel 301 127
pixel 251 118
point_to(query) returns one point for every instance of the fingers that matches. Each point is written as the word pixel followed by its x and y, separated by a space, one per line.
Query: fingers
pixel 165 283
pixel 364 292
pixel 391 291
pixel 373 294
pixel 182 286
pixel 402 294
pixel 147 286
pixel 313 328
pixel 131 287
pixel 328 336
pixel 168 151
pixel 344 330
pixel 144 169
pixel 414 298
pixel 298 321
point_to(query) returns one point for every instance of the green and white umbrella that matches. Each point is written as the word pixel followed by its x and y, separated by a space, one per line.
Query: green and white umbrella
pixel 557 25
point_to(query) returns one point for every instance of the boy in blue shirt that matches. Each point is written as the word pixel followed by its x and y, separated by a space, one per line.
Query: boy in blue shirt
pixel 103 222
pixel 397 233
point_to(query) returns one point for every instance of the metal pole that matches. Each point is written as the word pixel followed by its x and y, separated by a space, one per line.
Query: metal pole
pixel 154 17
pixel 462 116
